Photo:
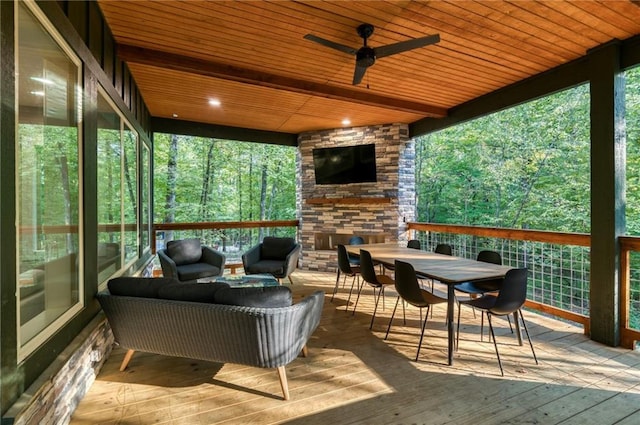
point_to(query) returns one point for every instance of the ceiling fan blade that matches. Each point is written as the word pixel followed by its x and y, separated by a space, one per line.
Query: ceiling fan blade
pixel 403 46
pixel 358 73
pixel 331 44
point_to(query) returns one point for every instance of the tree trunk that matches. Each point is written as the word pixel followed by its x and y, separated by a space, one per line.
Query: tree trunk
pixel 170 197
pixel 263 197
pixel 66 194
pixel 207 179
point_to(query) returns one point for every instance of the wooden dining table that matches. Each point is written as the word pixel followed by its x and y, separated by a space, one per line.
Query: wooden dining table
pixel 447 269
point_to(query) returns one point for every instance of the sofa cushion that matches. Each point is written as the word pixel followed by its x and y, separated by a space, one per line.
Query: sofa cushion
pixel 138 286
pixel 195 292
pixel 273 248
pixel 270 296
pixel 196 271
pixel 185 251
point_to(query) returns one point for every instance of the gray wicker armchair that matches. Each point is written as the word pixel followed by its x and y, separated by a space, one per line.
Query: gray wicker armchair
pixel 188 261
pixel 253 336
pixel 275 256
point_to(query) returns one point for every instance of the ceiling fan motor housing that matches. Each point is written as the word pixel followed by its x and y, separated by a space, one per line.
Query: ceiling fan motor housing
pixel 365 57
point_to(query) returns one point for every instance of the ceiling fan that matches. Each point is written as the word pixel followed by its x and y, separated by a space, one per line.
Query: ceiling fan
pixel 366 56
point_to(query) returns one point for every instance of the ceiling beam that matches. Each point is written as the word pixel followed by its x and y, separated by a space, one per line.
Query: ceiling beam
pixel 207 68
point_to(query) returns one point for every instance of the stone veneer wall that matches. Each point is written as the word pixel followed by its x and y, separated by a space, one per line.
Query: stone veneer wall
pixel 53 398
pixel 395 163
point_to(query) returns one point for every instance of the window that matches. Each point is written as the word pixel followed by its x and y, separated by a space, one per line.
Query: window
pixel 48 181
pixel 117 191
pixel 109 190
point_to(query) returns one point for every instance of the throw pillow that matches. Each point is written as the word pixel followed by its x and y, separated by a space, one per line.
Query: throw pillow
pixel 138 286
pixel 194 292
pixel 185 251
pixel 270 296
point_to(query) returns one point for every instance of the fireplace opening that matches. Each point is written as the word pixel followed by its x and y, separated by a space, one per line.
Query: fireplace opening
pixel 329 241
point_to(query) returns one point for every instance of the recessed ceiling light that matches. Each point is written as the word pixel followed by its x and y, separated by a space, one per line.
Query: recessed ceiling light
pixel 346 121
pixel 214 102
pixel 174 115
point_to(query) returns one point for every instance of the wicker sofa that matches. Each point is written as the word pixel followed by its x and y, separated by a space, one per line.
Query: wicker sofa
pixel 200 326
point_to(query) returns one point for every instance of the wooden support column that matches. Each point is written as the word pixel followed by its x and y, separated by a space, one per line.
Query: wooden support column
pixel 608 160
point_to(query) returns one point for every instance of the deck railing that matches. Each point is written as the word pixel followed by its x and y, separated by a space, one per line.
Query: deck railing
pixel 558 266
pixel 630 290
pixel 558 263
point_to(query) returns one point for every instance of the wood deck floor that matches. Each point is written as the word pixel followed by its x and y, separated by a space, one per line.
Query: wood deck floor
pixel 354 376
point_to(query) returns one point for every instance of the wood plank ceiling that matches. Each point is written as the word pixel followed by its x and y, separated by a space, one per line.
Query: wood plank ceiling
pixel 252 57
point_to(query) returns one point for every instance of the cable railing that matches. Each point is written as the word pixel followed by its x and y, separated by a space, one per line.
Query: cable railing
pixel 630 290
pixel 558 263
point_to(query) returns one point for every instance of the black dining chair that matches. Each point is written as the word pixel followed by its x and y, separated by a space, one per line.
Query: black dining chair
pixel 346 269
pixel 482 287
pixel 409 290
pixel 510 299
pixel 355 240
pixel 414 244
pixel 378 281
pixel 444 249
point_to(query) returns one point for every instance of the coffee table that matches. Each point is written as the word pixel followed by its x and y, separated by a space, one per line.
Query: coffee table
pixel 249 281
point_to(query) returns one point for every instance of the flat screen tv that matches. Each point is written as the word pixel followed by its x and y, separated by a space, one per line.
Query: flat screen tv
pixel 346 164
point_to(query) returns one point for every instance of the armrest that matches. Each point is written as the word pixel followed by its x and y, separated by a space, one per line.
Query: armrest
pixel 213 257
pixel 250 257
pixel 169 268
pixel 291 261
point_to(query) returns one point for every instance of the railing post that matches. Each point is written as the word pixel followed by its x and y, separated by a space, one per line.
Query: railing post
pixel 153 239
pixel 625 274
pixel 608 162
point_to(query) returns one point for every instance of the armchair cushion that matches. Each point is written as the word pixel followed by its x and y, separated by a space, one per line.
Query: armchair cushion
pixel 188 272
pixel 269 296
pixel 276 248
pixel 147 287
pixel 194 292
pixel 274 267
pixel 185 251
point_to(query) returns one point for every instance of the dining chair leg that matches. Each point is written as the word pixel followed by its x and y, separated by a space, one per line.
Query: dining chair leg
pixel 357 298
pixel 526 331
pixel 393 314
pixel 375 308
pixel 424 325
pixel 458 328
pixel 353 281
pixel 495 343
pixel 481 327
pixel 335 288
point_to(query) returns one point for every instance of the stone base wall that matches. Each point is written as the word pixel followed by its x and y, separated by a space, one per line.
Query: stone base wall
pixel 381 208
pixel 53 398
